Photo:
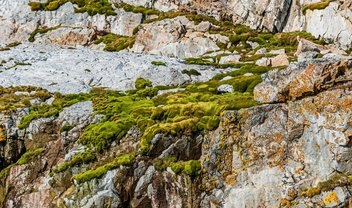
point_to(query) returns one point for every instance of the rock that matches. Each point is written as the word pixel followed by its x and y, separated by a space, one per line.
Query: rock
pixel 307 56
pixel 230 59
pixel 263 62
pixel 53 64
pixel 253 45
pixel 174 37
pixel 225 88
pixel 280 60
pixel 18 23
pixel 261 51
pixel 301 79
pixel 308 46
pixel 278 52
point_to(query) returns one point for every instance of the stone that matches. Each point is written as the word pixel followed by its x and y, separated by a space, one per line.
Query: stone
pixel 53 64
pixel 230 59
pixel 280 60
pixel 225 88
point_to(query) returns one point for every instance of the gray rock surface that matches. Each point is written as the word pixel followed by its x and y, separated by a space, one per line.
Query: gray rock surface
pixel 64 70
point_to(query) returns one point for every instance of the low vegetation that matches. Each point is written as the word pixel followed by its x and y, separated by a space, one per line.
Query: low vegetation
pixel 338 180
pixel 9 46
pixel 46 110
pixel 92 7
pixel 317 6
pixel 125 159
pixel 115 42
pixel 41 31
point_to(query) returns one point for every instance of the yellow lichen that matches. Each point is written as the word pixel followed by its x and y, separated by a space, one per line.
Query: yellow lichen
pixel 331 198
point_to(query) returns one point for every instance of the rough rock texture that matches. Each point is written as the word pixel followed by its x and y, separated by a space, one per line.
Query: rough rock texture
pixel 268 156
pixel 64 70
pixel 17 22
pixel 176 37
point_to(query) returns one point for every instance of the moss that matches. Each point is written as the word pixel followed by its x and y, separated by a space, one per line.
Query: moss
pixel 41 31
pixel 337 180
pixel 142 83
pixel 9 46
pixel 92 7
pixel 36 6
pixel 67 128
pixel 81 158
pixel 10 101
pixel 158 63
pixel 192 168
pixel 316 6
pixel 115 42
pixel 125 159
pixel 26 157
pixel 191 72
pixel 45 110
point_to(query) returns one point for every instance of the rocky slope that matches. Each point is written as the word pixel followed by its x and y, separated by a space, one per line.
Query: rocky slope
pixel 185 107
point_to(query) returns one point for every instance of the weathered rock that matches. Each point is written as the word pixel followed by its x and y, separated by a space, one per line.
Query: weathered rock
pixel 225 88
pixel 50 67
pixel 175 37
pixel 301 79
pixel 230 59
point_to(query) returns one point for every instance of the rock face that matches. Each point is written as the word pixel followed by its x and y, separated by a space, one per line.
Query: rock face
pixel 17 22
pixel 268 156
pixel 176 37
pixel 50 67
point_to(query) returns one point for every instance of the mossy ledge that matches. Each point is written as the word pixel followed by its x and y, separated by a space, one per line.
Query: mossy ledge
pixel 317 6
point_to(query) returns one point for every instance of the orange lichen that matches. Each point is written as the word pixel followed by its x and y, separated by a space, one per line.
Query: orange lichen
pixel 2 137
pixel 331 198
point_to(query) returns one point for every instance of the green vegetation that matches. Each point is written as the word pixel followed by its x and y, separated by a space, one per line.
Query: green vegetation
pixel 158 63
pixel 10 101
pixel 81 158
pixel 192 168
pixel 191 72
pixel 142 83
pixel 25 158
pixel 338 180
pixel 316 6
pixel 45 110
pixel 125 159
pixel 115 42
pixel 67 128
pixel 92 7
pixel 9 46
pixel 41 31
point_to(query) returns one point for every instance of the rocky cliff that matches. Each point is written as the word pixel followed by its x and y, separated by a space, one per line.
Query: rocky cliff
pixel 129 103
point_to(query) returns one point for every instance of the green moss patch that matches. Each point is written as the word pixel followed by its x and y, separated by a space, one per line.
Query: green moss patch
pixel 115 42
pixel 9 46
pixel 338 180
pixel 316 6
pixel 92 7
pixel 41 31
pixel 45 110
pixel 125 159
pixel 10 101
